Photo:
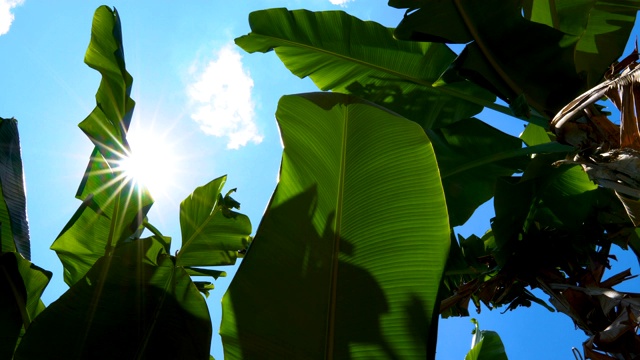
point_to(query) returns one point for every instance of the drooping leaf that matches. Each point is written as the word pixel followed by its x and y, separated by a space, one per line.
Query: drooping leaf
pixel 602 29
pixel 506 53
pixel 359 191
pixel 114 206
pixel 13 207
pixel 212 233
pixel 165 315
pixel 342 53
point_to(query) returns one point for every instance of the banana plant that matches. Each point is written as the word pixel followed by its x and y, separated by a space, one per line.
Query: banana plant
pixel 129 297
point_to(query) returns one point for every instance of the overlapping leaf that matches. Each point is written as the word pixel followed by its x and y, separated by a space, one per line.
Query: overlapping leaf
pixel 144 307
pixel 212 233
pixel 506 53
pixel 342 53
pixel 460 145
pixel 113 206
pixel 359 191
pixel 600 29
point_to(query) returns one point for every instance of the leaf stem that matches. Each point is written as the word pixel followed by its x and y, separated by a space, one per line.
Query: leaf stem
pixel 152 228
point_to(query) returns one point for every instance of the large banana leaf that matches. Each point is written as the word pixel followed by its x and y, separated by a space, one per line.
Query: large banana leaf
pixel 347 260
pixel 212 233
pixel 342 53
pixel 506 53
pixel 13 208
pixel 145 307
pixel 114 205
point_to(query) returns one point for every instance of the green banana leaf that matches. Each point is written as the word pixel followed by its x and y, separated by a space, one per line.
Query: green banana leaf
pixel 13 209
pixel 558 206
pixel 487 345
pixel 399 76
pixel 359 194
pixel 339 52
pixel 602 29
pixel 212 233
pixel 457 147
pixel 114 206
pixel 133 304
pixel 507 54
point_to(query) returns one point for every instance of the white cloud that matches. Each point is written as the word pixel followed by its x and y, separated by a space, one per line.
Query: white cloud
pixel 6 17
pixel 342 3
pixel 222 97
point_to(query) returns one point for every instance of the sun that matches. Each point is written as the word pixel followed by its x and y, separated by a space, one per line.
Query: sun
pixel 152 162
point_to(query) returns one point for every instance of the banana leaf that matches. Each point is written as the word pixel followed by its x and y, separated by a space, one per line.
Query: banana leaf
pixel 114 206
pixel 487 345
pixel 507 54
pixel 13 207
pixel 212 232
pixel 602 29
pixel 133 304
pixel 342 53
pixel 359 194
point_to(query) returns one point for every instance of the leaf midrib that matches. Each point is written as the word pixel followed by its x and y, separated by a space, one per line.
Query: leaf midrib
pixel 336 238
pixel 217 207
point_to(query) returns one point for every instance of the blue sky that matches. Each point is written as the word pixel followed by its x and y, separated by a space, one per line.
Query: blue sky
pixel 214 106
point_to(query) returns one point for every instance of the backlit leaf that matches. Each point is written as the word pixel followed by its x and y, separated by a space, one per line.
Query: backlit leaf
pixel 359 193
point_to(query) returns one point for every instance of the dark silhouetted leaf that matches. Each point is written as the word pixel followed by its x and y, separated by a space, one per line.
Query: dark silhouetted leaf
pixel 13 207
pixel 125 307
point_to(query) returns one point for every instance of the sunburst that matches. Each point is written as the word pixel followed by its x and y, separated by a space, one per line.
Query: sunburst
pixel 152 161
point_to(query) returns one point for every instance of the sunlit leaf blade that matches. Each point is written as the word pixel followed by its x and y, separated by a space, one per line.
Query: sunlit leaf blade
pixel 107 124
pixel 601 27
pixel 359 193
pixel 166 316
pixel 506 53
pixel 488 346
pixel 21 285
pixel 114 205
pixel 212 233
pixel 13 207
pixel 84 239
pixel 342 53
